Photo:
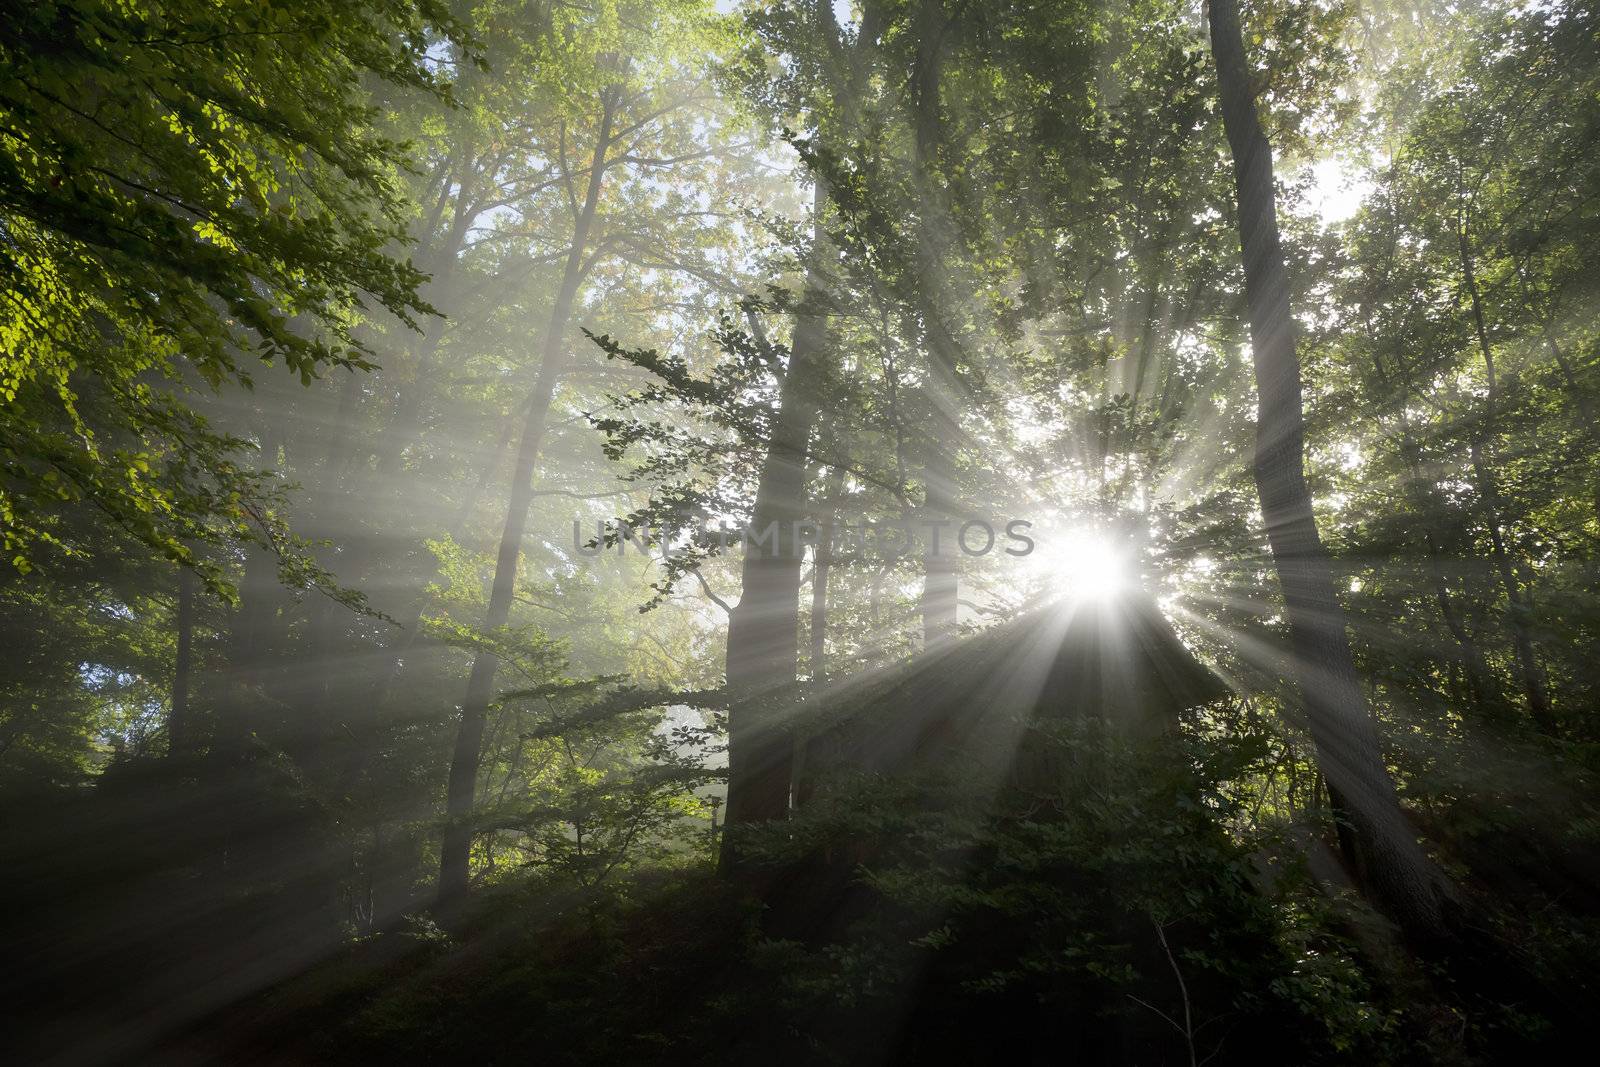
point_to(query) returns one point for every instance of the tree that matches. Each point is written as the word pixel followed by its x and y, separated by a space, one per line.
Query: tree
pixel 469 742
pixel 186 189
pixel 1382 847
pixel 642 84
pixel 764 628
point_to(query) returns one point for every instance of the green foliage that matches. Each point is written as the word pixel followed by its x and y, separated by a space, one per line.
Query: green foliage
pixel 187 188
pixel 225 232
pixel 1115 901
pixel 588 798
pixel 1463 350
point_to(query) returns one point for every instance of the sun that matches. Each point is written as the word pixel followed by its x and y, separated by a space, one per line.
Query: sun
pixel 1085 565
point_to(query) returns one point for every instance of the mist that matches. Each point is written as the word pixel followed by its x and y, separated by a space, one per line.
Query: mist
pixel 843 532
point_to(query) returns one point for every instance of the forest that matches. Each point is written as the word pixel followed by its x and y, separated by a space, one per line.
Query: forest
pixel 799 531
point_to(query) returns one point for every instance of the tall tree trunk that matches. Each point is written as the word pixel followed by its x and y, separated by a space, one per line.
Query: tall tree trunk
pixel 821 565
pixel 1383 848
pixel 941 582
pixel 1481 441
pixel 764 628
pixel 180 730
pixel 940 605
pixel 457 844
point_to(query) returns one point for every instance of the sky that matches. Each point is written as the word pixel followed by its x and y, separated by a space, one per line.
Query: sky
pixel 1337 190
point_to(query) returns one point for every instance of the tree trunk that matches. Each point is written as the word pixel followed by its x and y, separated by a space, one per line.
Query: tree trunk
pixel 457 843
pixel 941 584
pixel 1481 441
pixel 940 604
pixel 1383 848
pixel 764 628
pixel 821 565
